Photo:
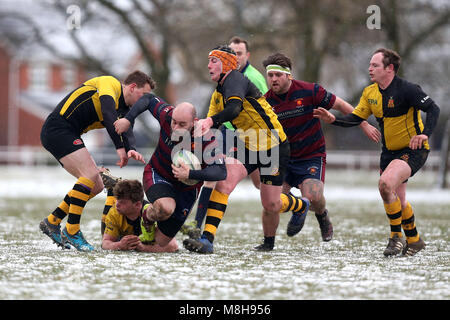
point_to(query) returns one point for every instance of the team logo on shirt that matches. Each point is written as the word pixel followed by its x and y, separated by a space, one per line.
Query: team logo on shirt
pixel 312 170
pixel 275 171
pixel 391 102
pixel 77 142
pixel 299 102
pixel 405 157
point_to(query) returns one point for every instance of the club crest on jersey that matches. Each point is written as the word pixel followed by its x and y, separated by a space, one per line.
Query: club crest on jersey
pixel 312 170
pixel 275 171
pixel 77 142
pixel 405 157
pixel 391 102
pixel 299 102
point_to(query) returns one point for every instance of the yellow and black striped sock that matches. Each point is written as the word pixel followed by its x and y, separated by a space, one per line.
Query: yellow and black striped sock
pixel 79 195
pixel 409 225
pixel 60 212
pixel 290 202
pixel 216 208
pixel 394 214
pixel 108 204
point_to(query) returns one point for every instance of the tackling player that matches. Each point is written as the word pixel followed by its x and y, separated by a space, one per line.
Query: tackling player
pixel 263 146
pixel 95 104
pixel 241 48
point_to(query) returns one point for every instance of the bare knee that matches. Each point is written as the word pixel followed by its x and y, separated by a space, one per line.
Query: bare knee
pixel 271 206
pixel 385 187
pixel 163 209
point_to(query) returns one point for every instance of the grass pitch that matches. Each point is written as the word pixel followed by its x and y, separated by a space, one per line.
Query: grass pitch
pixel 351 266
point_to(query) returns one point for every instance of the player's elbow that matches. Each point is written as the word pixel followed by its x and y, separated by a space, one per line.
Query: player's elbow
pixel 222 173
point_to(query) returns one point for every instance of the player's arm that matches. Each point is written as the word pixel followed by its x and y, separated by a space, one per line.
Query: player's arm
pixel 109 113
pixel 345 108
pixel 213 172
pixel 109 242
pixel 232 108
pixel 423 102
pixel 149 102
pixel 349 120
pixel 128 242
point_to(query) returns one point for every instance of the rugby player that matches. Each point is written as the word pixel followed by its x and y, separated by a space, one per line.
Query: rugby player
pixel 241 47
pixel 396 104
pixel 263 146
pixel 170 199
pixel 294 101
pixel 123 221
pixel 97 103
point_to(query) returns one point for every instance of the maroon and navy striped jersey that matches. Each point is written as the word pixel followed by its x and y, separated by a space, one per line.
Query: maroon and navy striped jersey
pixel 295 113
pixel 205 148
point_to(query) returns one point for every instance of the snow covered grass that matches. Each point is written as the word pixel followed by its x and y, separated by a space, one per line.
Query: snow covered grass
pixel 351 266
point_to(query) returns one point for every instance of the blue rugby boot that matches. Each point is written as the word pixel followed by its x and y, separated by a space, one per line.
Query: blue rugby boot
pixel 77 240
pixel 53 232
pixel 298 218
pixel 201 245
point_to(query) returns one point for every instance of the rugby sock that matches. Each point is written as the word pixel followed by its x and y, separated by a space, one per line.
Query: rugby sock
pixel 79 195
pixel 216 208
pixel 408 224
pixel 394 214
pixel 203 200
pixel 290 202
pixel 108 204
pixel 60 212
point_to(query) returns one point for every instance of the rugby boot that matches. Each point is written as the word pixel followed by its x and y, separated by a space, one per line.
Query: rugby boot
pixel 264 247
pixel 412 248
pixel 201 245
pixel 53 232
pixel 326 228
pixel 77 240
pixel 395 246
pixel 191 230
pixel 109 181
pixel 297 220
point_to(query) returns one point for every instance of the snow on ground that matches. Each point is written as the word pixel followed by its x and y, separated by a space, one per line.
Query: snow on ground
pixel 55 182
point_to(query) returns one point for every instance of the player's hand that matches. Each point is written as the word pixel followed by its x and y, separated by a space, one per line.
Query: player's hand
pixel 181 172
pixel 416 142
pixel 102 169
pixel 136 156
pixel 122 125
pixel 202 126
pixel 123 158
pixel 371 132
pixel 324 115
pixel 129 242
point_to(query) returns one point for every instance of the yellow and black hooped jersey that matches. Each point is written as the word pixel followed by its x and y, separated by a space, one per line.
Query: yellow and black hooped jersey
pixel 256 124
pixel 118 225
pixel 82 107
pixel 397 110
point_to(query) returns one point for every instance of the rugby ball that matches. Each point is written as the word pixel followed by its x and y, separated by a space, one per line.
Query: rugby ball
pixel 190 160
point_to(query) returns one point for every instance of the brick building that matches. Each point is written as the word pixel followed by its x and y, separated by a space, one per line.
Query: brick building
pixel 30 88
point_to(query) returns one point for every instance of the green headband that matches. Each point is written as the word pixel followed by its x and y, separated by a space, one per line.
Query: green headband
pixel 276 67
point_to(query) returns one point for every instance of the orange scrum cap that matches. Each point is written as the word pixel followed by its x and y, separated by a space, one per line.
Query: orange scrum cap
pixel 227 56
